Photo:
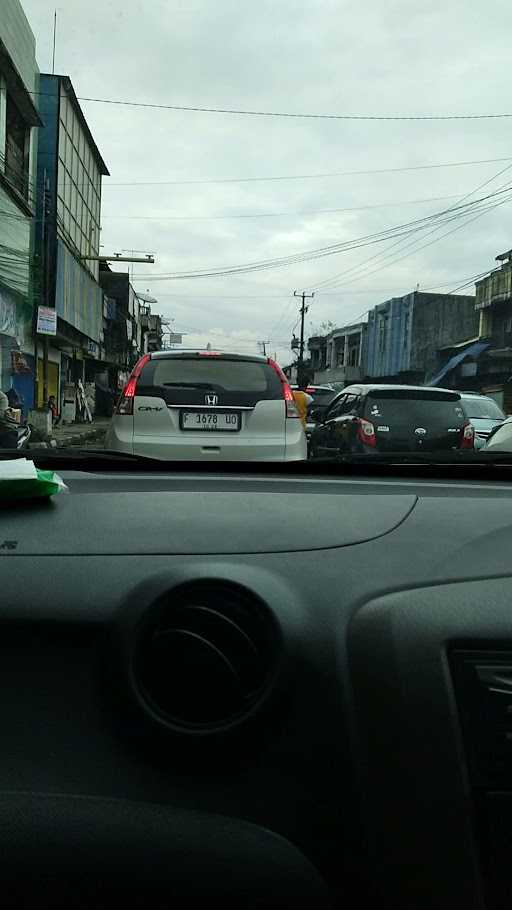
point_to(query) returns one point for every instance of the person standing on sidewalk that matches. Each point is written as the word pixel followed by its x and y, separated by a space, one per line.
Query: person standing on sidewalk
pixel 52 406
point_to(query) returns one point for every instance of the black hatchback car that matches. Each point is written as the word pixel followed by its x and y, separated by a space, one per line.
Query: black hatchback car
pixel 382 419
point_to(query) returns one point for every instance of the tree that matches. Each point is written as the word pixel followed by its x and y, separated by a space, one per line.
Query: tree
pixel 323 329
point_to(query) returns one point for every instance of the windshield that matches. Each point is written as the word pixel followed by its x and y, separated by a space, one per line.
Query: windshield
pixel 199 205
pixel 401 408
pixel 212 373
pixel 483 408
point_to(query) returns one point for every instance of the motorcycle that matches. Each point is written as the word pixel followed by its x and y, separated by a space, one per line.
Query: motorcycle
pixel 13 435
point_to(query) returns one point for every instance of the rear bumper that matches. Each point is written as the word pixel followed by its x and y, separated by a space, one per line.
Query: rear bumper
pixel 213 447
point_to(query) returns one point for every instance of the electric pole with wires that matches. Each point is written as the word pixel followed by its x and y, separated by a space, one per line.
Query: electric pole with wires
pixel 303 310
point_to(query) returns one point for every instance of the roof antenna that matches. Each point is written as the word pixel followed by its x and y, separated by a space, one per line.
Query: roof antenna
pixel 54 40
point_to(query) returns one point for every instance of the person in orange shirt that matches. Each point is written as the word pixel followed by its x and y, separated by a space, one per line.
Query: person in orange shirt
pixel 303 401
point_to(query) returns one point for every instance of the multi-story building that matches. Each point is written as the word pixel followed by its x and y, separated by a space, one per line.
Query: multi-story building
pixel 19 119
pixel 407 335
pixel 152 332
pixel 340 355
pixel 493 373
pixel 69 174
pixel 123 334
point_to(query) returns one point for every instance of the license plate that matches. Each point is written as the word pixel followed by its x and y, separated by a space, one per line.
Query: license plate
pixel 204 420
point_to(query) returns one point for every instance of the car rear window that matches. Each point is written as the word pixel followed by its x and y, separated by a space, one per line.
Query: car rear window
pixel 322 396
pixel 400 407
pixel 483 408
pixel 212 373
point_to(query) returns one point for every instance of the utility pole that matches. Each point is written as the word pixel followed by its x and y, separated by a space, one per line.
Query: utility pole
pixel 263 345
pixel 42 298
pixel 303 311
pixel 46 285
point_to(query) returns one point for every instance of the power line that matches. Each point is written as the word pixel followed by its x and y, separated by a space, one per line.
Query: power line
pixel 286 114
pixel 358 208
pixel 286 296
pixel 445 215
pixel 386 170
pixel 328 282
pixel 504 189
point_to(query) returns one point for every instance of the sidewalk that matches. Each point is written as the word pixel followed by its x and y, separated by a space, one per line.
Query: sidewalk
pixel 79 434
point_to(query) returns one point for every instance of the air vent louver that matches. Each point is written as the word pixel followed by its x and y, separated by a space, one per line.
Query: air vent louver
pixel 206 654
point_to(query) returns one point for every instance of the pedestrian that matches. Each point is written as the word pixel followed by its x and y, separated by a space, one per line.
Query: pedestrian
pixel 303 401
pixel 15 401
pixel 52 406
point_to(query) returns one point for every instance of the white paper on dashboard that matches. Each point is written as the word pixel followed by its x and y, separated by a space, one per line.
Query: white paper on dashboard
pixel 17 469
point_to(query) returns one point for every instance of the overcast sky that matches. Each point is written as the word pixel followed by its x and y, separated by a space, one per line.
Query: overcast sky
pixel 319 56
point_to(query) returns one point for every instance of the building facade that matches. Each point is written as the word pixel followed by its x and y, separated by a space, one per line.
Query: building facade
pixel 19 122
pixel 407 335
pixel 493 373
pixel 70 169
pixel 340 355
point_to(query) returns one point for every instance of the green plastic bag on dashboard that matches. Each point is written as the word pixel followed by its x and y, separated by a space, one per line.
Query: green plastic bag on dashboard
pixel 20 479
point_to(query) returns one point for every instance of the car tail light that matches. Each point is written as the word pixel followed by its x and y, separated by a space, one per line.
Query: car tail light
pixel 366 432
pixel 209 353
pixel 125 406
pixel 467 440
pixel 291 407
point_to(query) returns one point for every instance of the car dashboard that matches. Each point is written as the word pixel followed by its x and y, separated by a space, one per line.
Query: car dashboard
pixel 271 690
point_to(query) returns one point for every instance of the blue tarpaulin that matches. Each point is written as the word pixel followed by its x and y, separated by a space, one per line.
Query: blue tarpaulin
pixel 474 350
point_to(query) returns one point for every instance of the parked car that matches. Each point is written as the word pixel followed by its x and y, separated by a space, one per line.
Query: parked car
pixel 381 419
pixel 484 414
pixel 207 405
pixel 500 438
pixel 336 386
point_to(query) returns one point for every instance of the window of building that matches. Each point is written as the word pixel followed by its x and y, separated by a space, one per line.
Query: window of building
pixel 17 148
pixel 383 319
pixel 406 326
pixel 353 355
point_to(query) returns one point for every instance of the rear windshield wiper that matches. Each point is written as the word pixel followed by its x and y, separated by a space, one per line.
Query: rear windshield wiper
pixel 189 385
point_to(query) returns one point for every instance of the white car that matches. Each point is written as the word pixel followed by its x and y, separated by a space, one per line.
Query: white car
pixel 484 414
pixel 500 439
pixel 207 406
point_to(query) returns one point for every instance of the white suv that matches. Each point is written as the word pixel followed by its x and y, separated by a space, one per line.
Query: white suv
pixel 207 406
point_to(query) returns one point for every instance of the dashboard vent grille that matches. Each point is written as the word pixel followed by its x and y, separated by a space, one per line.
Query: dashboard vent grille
pixel 206 655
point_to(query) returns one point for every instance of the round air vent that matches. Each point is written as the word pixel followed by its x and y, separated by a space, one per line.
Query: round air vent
pixel 206 655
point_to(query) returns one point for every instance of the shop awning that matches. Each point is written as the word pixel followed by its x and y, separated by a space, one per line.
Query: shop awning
pixel 474 350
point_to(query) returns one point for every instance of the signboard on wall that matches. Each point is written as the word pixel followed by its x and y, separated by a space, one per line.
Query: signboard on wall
pixel 46 320
pixel 78 298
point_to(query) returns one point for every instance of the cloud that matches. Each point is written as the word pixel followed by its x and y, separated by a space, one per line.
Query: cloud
pixel 318 56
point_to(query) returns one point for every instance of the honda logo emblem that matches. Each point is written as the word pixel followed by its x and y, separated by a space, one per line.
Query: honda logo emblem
pixel 211 399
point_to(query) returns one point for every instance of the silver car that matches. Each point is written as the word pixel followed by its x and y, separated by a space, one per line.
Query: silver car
pixel 484 414
pixel 208 406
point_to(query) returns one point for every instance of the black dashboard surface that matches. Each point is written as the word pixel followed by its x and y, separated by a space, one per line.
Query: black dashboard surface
pixel 353 754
